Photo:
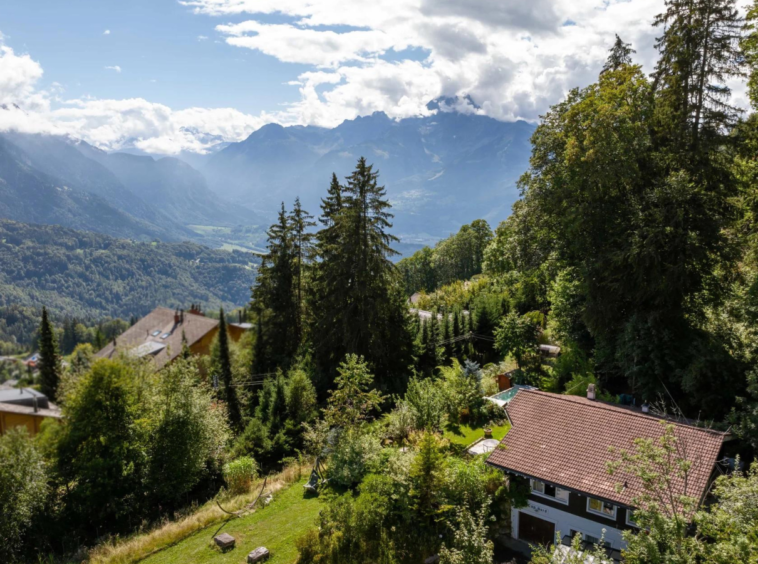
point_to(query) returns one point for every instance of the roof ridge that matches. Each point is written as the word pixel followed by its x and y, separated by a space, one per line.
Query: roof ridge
pixel 601 405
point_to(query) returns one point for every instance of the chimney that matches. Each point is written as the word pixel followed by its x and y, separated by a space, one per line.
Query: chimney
pixel 181 316
pixel 36 407
pixel 645 408
pixel 177 318
pixel 591 392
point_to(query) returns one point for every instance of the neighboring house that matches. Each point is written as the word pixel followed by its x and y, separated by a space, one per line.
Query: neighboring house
pixel 159 335
pixel 25 407
pixel 560 444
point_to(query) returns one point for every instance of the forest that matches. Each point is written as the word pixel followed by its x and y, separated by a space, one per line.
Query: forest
pixel 92 277
pixel 632 248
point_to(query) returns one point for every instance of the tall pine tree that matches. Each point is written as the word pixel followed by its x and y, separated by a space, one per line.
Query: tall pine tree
pixel 49 362
pixel 302 253
pixel 359 306
pixel 223 367
pixel 618 56
pixel 274 299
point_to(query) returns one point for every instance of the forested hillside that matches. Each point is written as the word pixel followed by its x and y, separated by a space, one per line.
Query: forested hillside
pixel 92 276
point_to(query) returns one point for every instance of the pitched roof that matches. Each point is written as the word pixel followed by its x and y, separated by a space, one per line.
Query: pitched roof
pixel 564 440
pixel 52 411
pixel 158 335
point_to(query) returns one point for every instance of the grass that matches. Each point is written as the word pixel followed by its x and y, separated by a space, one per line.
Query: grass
pixel 276 527
pixel 190 539
pixel 465 435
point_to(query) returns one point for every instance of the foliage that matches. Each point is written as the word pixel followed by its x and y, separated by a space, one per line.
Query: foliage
pixel 470 544
pixel 23 489
pixel 517 336
pixel 358 303
pixel 355 454
pixel 459 257
pixel 222 366
pixel 286 408
pixel 664 505
pixel 353 400
pixel 426 404
pixel 50 362
pixel 91 277
pixel 239 474
pixel 188 435
pixel 575 554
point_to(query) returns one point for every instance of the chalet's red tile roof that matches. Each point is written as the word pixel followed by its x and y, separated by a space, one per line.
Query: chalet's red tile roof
pixel 564 440
pixel 146 337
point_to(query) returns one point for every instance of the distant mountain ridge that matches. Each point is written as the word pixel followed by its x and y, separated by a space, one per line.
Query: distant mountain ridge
pixel 440 171
pixel 56 180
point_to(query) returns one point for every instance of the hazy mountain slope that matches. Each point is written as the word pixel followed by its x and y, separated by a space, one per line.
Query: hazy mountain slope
pixel 93 275
pixel 172 187
pixel 440 171
pixel 60 157
pixel 28 194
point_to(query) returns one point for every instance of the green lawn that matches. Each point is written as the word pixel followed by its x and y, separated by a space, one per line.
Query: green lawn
pixel 465 435
pixel 275 526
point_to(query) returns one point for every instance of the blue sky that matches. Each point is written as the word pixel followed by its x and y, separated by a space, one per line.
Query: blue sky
pixel 314 62
pixel 151 40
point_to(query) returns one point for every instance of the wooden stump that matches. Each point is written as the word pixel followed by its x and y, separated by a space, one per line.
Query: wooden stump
pixel 224 541
pixel 258 555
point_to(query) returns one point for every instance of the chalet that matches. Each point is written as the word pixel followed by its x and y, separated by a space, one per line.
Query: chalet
pixel 159 335
pixel 25 407
pixel 560 445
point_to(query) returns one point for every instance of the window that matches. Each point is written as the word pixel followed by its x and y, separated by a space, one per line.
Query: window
pixel 552 492
pixel 630 518
pixel 165 335
pixel 601 508
pixel 156 333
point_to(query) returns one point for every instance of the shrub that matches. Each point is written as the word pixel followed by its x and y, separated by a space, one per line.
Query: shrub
pixel 22 489
pixel 355 455
pixel 425 400
pixel 470 544
pixel 239 474
pixel 400 422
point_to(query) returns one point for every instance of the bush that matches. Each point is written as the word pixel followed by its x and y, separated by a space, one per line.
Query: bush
pixel 400 422
pixel 425 400
pixel 239 475
pixel 23 487
pixel 355 455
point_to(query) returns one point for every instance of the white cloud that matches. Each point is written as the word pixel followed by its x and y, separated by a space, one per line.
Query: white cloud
pixel 107 32
pixel 513 59
pixel 114 68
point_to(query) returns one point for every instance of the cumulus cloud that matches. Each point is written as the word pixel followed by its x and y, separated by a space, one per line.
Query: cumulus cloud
pixel 512 59
pixel 111 124
pixel 107 32
pixel 507 60
pixel 114 68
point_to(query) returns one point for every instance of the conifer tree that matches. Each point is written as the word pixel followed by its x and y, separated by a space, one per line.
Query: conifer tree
pixel 699 53
pixel 274 299
pixel 223 366
pixel 359 307
pixel 618 56
pixel 49 362
pixel 302 253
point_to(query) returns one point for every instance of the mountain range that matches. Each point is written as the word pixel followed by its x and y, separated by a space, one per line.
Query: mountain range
pixel 440 171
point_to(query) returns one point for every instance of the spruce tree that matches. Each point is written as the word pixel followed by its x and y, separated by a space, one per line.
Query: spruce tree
pixel 274 298
pixel 302 254
pixel 699 53
pixel 618 56
pixel 223 367
pixel 359 306
pixel 49 362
